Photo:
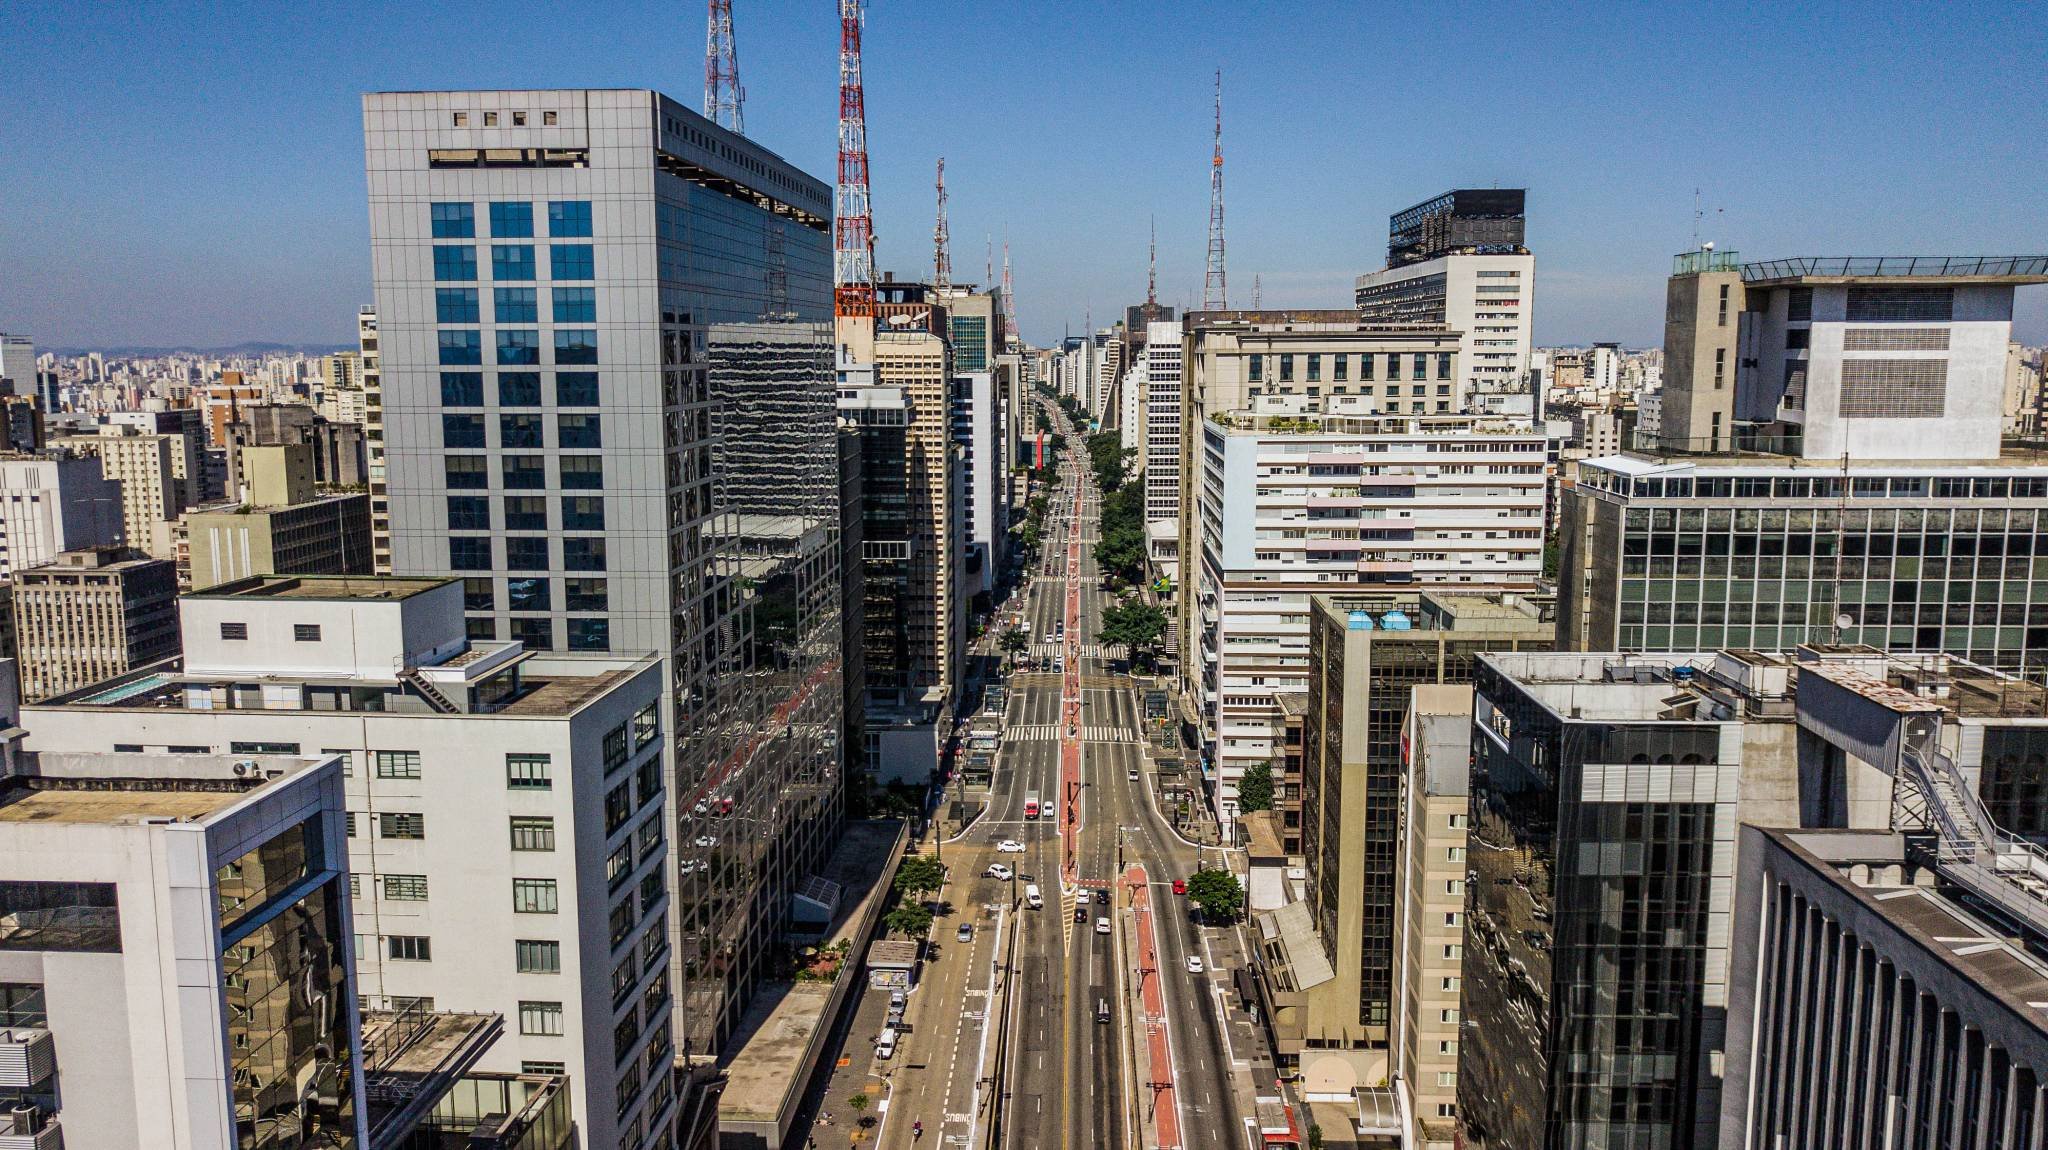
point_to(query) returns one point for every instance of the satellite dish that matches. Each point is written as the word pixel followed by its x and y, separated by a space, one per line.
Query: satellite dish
pixel 1844 622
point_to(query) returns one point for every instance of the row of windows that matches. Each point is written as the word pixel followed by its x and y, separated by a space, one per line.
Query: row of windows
pixel 531 594
pixel 525 553
pixel 515 305
pixel 472 472
pixel 517 347
pixel 301 632
pixel 1829 487
pixel 571 431
pixel 518 389
pixel 511 220
pixel 525 513
pixel 539 634
pixel 457 263
pixel 1340 367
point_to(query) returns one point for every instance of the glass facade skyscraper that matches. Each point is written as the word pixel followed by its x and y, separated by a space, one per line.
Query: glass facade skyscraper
pixel 607 405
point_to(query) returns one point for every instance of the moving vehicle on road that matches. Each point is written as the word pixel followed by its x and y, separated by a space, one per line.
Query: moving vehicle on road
pixel 1102 925
pixel 1032 898
pixel 1081 913
pixel 1030 804
pixel 1194 964
pixel 1081 897
pixel 1010 847
pixel 1102 1010
pixel 998 871
pixel 965 933
pixel 1180 886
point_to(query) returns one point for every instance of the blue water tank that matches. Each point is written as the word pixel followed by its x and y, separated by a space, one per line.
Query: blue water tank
pixel 1682 674
pixel 1395 621
pixel 1359 621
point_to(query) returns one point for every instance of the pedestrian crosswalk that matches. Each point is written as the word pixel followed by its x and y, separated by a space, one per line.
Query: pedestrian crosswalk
pixel 1051 648
pixel 1041 732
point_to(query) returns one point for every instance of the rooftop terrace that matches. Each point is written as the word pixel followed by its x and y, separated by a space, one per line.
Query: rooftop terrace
pixel 1848 269
pixel 385 587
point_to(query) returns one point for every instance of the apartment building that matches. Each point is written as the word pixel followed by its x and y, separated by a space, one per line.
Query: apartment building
pixel 984 510
pixel 374 473
pixel 187 428
pixel 1457 261
pixel 52 502
pixel 92 614
pixel 1292 506
pixel 1429 927
pixel 152 494
pixel 554 270
pixel 283 525
pixel 1161 448
pixel 506 842
pixel 917 364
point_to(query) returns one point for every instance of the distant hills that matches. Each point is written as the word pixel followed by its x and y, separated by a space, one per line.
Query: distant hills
pixel 246 350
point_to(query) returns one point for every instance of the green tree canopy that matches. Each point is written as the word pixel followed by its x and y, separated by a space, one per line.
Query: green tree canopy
pixel 1255 788
pixel 908 918
pixel 917 874
pixel 1136 625
pixel 1218 893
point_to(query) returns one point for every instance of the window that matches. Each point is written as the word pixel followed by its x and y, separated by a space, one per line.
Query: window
pixel 528 594
pixel 590 635
pixel 1257 369
pixel 477 595
pixel 469 553
pixel 618 806
pixel 1798 338
pixel 617 866
pixel 490 119
pixel 1454 918
pixel 1341 366
pixel 569 218
pixel 469 513
pixel 397 764
pixel 1365 363
pixel 1455 854
pixel 1286 368
pixel 547 119
pixel 517 346
pixel 528 772
pixel 1315 369
pixel 405 887
pixel 526 553
pixel 526 513
pixel 401 825
pixel 466 472
pixel 582 472
pixel 571 262
pixel 454 263
pixel 536 634
pixel 305 632
pixel 462 119
pixel 348 824
pixel 525 472
pixel 455 305
pixel 1450 982
pixel 511 261
pixel 462 431
pixel 538 956
pixel 454 221
pixel 583 553
pixel 461 347
pixel 544 1067
pixel 576 389
pixel 462 388
pixel 512 221
pixel 1720 365
pixel 409 947
pixel 1443 365
pixel 646 725
pixel 1721 320
pixel 519 431
pixel 533 834
pixel 127 748
pixel 584 594
pixel 234 631
pixel 582 512
pixel 575 305
pixel 651 890
pixel 576 345
pixel 1446 1078
pixel 1418 366
pixel 515 305
pixel 1450 1015
pixel 623 920
pixel 518 389
pixel 534 896
pixel 540 1018
pixel 518 121
pixel 1446 1110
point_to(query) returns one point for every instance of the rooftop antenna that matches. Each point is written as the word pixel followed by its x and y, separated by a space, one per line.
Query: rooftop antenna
pixel 724 99
pixel 1214 297
pixel 1258 292
pixel 942 239
pixel 853 244
pixel 1009 291
pixel 1152 271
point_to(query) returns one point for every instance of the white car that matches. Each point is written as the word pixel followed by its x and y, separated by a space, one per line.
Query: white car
pixel 1194 964
pixel 1010 847
pixel 1102 926
pixel 998 871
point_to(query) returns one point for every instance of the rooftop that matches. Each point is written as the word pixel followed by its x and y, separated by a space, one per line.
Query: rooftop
pixel 44 804
pixel 127 789
pixel 1895 269
pixel 412 1057
pixel 1660 455
pixel 344 587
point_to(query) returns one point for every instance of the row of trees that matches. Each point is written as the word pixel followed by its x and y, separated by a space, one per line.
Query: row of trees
pixel 1110 459
pixel 1121 550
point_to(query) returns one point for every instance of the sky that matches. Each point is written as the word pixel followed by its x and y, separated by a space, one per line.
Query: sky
pixel 191 173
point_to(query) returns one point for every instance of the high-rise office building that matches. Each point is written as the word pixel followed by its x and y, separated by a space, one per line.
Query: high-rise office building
pixel 1858 490
pixel 506 838
pixel 188 444
pixel 51 502
pixel 1457 261
pixel 17 365
pixel 373 440
pixel 1161 451
pixel 984 506
pixel 143 463
pixel 553 270
pixel 90 615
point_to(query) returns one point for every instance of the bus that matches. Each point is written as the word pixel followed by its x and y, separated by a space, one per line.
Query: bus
pixel 1030 804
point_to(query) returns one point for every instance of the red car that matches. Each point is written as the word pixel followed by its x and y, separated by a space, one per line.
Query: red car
pixel 1180 886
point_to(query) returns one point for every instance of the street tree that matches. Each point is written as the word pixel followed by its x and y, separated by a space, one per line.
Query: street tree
pixel 909 919
pixel 1013 643
pixel 1138 626
pixel 1255 788
pixel 1217 893
pixel 917 874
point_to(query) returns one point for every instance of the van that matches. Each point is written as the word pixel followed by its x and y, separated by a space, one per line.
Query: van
pixel 885 1043
pixel 1102 1010
pixel 1032 898
pixel 897 1001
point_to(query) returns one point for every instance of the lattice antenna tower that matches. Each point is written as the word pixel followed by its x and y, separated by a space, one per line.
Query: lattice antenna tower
pixel 853 239
pixel 1009 292
pixel 1214 296
pixel 942 238
pixel 724 99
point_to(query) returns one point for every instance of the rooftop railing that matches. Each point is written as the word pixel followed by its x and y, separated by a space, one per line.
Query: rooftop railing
pixel 1930 266
pixel 1704 260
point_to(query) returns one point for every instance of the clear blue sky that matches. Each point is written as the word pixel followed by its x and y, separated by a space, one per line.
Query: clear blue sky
pixel 187 173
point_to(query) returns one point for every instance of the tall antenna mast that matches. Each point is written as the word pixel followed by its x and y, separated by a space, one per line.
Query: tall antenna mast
pixel 1009 291
pixel 1214 297
pixel 942 239
pixel 1258 292
pixel 988 260
pixel 724 99
pixel 1152 272
pixel 853 244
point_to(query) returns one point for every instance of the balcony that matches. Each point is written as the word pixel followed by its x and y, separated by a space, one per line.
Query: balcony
pixel 28 1128
pixel 28 1056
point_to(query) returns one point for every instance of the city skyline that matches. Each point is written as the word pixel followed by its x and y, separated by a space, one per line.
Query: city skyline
pixel 1804 145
